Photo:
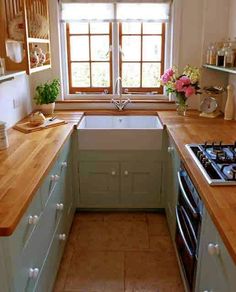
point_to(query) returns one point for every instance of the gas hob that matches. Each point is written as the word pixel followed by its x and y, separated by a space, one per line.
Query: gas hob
pixel 217 162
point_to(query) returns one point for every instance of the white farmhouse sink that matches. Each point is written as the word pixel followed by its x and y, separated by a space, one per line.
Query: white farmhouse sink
pixel 120 133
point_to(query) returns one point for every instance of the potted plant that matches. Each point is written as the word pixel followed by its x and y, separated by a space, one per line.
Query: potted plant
pixel 46 94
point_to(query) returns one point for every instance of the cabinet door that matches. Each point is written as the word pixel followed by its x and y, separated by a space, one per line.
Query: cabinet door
pixel 215 269
pixel 171 185
pixel 141 184
pixel 99 184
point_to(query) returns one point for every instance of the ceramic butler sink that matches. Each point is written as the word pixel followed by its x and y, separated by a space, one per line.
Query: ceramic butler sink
pixel 120 133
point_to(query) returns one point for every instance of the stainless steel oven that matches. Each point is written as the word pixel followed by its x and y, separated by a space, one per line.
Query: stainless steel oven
pixel 188 216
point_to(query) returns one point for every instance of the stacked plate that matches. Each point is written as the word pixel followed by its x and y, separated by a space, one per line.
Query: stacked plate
pixel 3 136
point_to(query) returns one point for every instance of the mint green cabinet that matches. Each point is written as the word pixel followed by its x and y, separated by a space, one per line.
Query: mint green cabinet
pixel 120 179
pixel 99 184
pixel 172 166
pixel 216 270
pixel 141 184
pixel 31 255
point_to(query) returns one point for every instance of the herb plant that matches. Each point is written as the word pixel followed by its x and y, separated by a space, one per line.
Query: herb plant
pixel 47 93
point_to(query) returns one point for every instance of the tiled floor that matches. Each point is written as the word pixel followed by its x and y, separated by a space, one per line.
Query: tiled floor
pixel 117 252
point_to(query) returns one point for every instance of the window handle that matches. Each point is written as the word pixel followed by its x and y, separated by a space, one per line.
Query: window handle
pixel 109 51
pixel 121 52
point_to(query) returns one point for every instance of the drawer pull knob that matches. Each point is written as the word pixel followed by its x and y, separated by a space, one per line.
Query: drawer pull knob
pixel 64 164
pixel 113 173
pixel 170 149
pixel 33 220
pixel 60 207
pixel 33 273
pixel 55 178
pixel 213 249
pixel 62 237
pixel 126 172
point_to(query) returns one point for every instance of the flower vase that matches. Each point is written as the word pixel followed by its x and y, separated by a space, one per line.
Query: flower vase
pixel 181 103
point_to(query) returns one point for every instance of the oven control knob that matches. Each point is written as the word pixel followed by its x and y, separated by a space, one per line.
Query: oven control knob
pixel 213 249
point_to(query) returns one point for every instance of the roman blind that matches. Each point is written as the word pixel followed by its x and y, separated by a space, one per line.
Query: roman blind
pixel 111 11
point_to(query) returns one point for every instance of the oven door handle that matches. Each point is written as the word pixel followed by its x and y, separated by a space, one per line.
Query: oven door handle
pixel 182 233
pixel 195 214
pixel 189 224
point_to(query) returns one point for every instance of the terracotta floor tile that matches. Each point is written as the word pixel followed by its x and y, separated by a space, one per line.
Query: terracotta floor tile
pixel 96 271
pixel 90 216
pixel 147 271
pixel 123 235
pixel 157 224
pixel 125 216
pixel 162 244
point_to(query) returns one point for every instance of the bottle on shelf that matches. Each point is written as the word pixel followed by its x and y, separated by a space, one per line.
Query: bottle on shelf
pixel 221 55
pixel 229 56
pixel 211 54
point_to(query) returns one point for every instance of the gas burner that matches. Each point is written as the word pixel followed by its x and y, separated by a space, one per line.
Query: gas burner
pixel 217 161
pixel 230 171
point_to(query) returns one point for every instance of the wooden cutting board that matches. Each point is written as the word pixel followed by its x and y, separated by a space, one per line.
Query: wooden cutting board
pixel 26 127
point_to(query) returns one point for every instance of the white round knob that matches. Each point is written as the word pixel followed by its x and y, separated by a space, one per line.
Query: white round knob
pixel 113 173
pixel 55 178
pixel 33 220
pixel 62 237
pixel 213 249
pixel 126 172
pixel 33 273
pixel 64 164
pixel 170 149
pixel 60 207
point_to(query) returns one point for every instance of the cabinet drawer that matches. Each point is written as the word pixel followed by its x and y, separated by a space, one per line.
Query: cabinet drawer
pixel 51 264
pixel 26 228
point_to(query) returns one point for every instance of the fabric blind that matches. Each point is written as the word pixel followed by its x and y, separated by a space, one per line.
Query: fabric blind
pixel 123 11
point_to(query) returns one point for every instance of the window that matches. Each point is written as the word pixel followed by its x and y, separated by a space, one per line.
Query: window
pixel 89 58
pixel 142 57
pixel 126 40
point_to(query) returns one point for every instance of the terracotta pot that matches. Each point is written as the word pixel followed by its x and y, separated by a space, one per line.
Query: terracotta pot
pixel 48 109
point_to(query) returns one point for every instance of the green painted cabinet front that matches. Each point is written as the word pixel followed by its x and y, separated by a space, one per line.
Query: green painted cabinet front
pixel 141 184
pixel 171 184
pixel 99 184
pixel 216 271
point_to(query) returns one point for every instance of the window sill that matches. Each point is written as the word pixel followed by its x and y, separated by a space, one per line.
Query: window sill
pixel 156 101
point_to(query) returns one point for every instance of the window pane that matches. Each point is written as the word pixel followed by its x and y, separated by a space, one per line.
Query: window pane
pixel 100 48
pixel 152 48
pixel 151 74
pixel 78 28
pixel 100 75
pixel 131 75
pixel 152 28
pixel 131 48
pixel 131 28
pixel 79 48
pixel 99 27
pixel 80 74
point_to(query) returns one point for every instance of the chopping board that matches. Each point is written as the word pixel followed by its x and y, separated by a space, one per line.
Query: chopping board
pixel 26 127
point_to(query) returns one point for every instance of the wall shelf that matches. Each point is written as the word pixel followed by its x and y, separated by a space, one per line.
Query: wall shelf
pixel 10 75
pixel 222 69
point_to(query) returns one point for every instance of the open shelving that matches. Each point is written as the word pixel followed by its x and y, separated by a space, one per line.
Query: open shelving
pixel 231 70
pixel 30 20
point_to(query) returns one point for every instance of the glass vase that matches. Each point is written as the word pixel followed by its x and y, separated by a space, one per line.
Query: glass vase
pixel 181 104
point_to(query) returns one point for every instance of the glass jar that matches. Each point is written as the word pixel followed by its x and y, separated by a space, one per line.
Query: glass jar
pixel 221 55
pixel 229 56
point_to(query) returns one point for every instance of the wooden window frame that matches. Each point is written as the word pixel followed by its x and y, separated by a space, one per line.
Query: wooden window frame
pixel 76 90
pixel 158 90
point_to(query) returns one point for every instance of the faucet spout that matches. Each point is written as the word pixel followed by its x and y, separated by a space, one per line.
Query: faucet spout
pixel 120 103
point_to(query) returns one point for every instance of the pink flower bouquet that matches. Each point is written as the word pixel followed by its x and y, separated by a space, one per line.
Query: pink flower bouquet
pixel 184 85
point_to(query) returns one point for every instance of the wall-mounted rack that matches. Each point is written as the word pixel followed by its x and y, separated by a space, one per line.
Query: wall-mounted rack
pixel 222 69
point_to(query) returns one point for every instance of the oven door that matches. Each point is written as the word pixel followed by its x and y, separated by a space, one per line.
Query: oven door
pixel 186 244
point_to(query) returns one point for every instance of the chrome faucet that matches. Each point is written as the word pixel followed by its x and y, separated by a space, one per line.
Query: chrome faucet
pixel 120 103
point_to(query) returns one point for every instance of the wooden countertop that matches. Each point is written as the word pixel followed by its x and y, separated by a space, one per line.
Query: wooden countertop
pixel 24 165
pixel 220 201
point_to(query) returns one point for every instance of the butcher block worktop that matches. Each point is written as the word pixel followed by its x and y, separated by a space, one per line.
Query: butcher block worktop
pixel 220 201
pixel 24 165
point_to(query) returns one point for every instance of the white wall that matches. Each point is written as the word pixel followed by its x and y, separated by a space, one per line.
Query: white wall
pixel 15 92
pixel 232 35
